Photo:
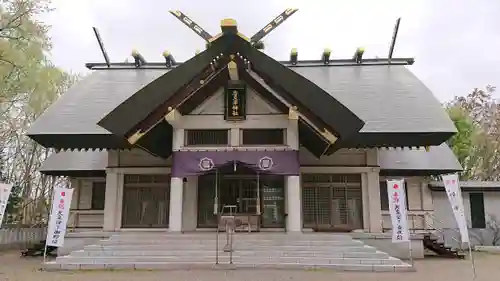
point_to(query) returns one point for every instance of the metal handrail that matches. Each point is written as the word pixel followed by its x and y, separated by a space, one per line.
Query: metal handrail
pixel 441 230
pixel 430 227
pixel 413 228
pixel 230 230
pixel 434 218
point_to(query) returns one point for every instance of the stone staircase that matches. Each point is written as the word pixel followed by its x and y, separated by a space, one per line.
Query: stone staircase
pixel 251 250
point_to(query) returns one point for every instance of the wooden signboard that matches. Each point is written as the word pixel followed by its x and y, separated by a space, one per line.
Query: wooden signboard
pixel 235 102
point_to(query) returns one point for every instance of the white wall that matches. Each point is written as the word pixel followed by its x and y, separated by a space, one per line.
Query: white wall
pixel 215 104
pixel 446 221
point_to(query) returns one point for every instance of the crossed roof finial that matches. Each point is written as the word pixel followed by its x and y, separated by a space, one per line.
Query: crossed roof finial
pixel 230 25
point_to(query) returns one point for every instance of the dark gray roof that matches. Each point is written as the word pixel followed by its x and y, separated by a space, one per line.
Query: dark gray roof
pixel 75 161
pixel 439 158
pixel 473 184
pixel 469 185
pixel 387 98
pixel 78 110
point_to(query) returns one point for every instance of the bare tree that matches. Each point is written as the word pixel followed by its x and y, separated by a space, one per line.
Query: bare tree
pixel 481 157
pixel 29 83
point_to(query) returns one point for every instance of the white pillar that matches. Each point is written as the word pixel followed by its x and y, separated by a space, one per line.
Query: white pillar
pixel 175 219
pixel 190 205
pixel 293 191
pixel 110 200
pixel 119 200
pixel 234 139
pixel 374 209
pixel 176 188
pixel 294 206
pixel 366 202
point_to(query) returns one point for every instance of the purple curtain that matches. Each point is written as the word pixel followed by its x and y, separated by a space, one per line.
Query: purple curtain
pixel 190 163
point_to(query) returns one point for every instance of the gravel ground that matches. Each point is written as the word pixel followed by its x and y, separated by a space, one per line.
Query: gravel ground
pixel 14 268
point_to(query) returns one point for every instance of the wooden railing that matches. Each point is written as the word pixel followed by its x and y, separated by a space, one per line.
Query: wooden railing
pixel 420 221
pixel 85 219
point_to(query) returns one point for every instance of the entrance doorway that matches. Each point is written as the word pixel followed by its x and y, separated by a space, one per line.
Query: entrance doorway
pixel 243 188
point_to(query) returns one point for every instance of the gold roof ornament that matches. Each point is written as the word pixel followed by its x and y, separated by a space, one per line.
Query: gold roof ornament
pixel 135 137
pixel 293 114
pixel 228 22
pixel 329 136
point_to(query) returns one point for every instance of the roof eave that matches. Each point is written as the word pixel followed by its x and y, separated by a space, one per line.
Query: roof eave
pixel 392 139
pixel 80 141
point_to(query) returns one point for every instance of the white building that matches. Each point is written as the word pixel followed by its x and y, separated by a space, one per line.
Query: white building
pixel 482 211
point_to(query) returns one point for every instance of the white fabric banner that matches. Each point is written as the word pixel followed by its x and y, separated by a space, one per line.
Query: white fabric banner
pixel 61 202
pixel 397 209
pixel 5 191
pixel 451 185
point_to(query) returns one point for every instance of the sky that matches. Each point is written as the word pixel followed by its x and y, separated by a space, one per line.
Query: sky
pixel 454 42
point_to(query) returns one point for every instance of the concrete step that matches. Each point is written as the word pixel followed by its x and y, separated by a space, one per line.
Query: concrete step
pixel 226 259
pixel 241 236
pixel 211 265
pixel 274 250
pixel 264 253
pixel 236 242
pixel 235 237
pixel 236 247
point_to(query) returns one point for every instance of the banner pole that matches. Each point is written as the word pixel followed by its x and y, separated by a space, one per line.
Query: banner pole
pixel 216 211
pixel 407 219
pixel 45 253
pixel 411 254
pixel 473 262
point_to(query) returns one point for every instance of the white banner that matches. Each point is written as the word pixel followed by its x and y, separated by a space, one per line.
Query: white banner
pixel 5 191
pixel 61 202
pixel 397 209
pixel 451 185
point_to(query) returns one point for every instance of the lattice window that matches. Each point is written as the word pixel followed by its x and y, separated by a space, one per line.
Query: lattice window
pixel 146 201
pixel 263 137
pixel 207 137
pixel 332 199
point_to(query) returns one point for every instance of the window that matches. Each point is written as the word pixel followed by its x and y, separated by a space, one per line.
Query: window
pixel 477 215
pixel 146 202
pixel 332 199
pixel 98 195
pixel 207 137
pixel 263 137
pixel 384 197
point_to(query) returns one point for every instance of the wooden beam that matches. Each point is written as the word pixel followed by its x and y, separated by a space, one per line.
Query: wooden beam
pixel 173 116
pixel 277 21
pixel 178 98
pixel 394 37
pixel 233 70
pixel 192 25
